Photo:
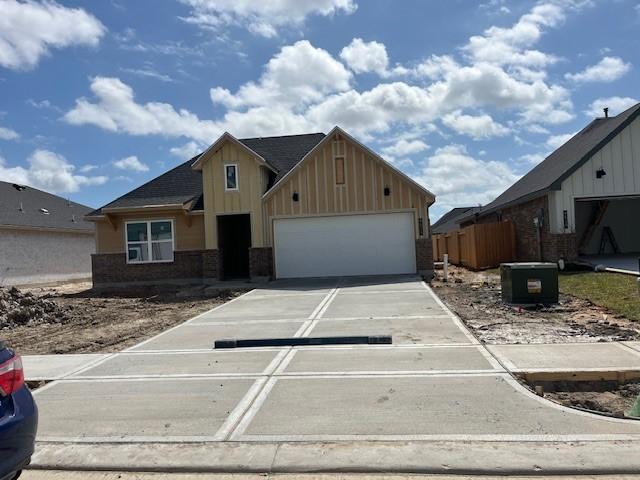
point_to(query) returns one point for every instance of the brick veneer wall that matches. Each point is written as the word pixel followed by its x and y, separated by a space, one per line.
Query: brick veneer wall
pixel 261 262
pixel 554 245
pixel 109 268
pixel 424 255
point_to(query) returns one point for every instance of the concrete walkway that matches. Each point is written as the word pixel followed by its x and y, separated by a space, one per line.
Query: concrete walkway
pixel 434 402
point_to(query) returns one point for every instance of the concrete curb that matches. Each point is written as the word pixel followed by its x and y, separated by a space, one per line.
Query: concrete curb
pixel 459 458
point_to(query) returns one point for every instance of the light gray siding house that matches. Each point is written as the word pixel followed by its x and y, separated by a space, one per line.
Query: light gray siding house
pixel 43 238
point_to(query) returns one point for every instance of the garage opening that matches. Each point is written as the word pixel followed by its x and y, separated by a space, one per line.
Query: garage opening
pixel 344 245
pixel 608 233
pixel 234 241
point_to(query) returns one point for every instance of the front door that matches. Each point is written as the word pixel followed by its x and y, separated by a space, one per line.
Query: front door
pixel 234 241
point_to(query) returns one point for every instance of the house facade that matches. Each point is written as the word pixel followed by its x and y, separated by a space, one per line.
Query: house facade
pixel 277 207
pixel 577 202
pixel 43 238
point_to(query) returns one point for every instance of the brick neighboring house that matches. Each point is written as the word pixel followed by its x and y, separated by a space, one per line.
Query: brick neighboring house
pixel 43 237
pixel 292 206
pixel 564 207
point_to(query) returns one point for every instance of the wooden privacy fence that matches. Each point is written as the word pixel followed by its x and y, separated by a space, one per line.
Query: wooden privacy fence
pixel 479 246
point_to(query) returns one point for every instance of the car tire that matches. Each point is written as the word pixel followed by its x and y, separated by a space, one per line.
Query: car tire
pixel 17 475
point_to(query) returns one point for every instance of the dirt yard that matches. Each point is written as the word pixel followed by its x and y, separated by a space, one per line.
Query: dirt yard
pixel 74 318
pixel 475 298
pixel 607 397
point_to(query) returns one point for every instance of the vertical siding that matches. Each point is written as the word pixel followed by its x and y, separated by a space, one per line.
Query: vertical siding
pixel 620 158
pixel 362 192
pixel 252 181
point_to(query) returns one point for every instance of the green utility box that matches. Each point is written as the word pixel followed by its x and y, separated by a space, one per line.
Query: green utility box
pixel 529 283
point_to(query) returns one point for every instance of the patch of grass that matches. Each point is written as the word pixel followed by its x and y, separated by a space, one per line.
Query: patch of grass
pixel 619 293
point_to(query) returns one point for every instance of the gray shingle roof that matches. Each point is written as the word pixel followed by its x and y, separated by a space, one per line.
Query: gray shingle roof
pixel 549 174
pixel 283 153
pixel 20 206
pixel 449 221
pixel 183 184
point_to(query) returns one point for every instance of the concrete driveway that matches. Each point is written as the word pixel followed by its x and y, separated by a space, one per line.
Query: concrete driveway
pixel 436 383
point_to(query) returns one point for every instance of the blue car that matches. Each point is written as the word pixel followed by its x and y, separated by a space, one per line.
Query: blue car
pixel 18 416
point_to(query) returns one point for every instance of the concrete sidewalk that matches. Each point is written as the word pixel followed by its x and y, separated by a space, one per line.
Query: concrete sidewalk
pixel 614 360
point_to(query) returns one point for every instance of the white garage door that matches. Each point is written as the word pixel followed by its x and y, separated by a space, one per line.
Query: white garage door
pixel 345 245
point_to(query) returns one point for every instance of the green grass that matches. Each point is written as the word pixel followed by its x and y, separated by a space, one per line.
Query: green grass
pixel 619 293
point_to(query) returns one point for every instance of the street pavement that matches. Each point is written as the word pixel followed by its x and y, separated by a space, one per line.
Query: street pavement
pixel 423 404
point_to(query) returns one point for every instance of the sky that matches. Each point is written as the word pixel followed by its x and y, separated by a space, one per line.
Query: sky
pixel 465 97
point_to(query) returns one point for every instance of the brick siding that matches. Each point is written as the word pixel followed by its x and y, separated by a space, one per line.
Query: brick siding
pixel 424 255
pixel 554 245
pixel 192 265
pixel 261 262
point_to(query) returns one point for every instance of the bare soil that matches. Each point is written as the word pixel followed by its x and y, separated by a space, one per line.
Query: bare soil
pixel 607 397
pixel 74 318
pixel 476 298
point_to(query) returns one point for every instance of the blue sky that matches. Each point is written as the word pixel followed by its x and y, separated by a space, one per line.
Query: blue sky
pixel 98 97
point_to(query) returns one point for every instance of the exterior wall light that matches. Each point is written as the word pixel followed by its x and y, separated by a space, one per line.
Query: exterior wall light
pixel 295 196
pixel 387 191
pixel 600 173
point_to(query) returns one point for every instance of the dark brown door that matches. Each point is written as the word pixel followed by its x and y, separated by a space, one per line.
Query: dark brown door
pixel 234 240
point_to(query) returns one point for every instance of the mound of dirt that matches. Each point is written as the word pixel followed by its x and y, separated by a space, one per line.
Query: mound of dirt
pixel 25 308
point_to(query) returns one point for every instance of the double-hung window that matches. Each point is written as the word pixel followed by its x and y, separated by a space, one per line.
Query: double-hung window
pixel 150 241
pixel 231 177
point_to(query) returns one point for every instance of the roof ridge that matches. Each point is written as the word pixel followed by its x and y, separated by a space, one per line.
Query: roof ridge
pixel 66 199
pixel 283 136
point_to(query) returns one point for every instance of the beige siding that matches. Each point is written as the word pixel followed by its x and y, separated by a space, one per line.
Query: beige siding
pixel 189 231
pixel 363 190
pixel 252 182
pixel 620 158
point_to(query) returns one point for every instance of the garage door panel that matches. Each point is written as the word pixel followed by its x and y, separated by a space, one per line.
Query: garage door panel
pixel 345 245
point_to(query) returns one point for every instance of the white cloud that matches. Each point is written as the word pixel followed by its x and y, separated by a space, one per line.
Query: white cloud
pixel 363 57
pixel 405 147
pixel 148 73
pixel 188 150
pixel 29 29
pixel 8 134
pixel 555 141
pixel 48 171
pixel 477 127
pixel 511 46
pixel 606 70
pixel 297 75
pixel 480 183
pixel 87 168
pixel 117 111
pixel 616 105
pixel 262 18
pixel 131 163
pixel 303 88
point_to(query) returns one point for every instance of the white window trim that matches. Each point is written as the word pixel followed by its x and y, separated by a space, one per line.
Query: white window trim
pixel 149 242
pixel 235 165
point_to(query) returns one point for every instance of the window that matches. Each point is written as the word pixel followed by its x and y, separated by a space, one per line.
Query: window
pixel 231 177
pixel 339 170
pixel 150 241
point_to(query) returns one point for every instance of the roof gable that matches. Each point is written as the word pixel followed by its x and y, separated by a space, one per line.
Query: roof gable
pixel 450 220
pixel 549 174
pixel 336 129
pixel 24 206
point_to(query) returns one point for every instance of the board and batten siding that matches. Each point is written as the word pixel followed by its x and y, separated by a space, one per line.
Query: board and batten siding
pixel 362 192
pixel 620 159
pixel 252 183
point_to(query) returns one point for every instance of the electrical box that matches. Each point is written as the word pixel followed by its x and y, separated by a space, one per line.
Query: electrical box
pixel 529 283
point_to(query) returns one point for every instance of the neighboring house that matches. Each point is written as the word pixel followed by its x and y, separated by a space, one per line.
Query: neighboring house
pixel 284 207
pixel 43 238
pixel 450 221
pixel 567 205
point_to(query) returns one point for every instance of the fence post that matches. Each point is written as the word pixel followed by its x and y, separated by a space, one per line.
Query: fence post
pixel 445 267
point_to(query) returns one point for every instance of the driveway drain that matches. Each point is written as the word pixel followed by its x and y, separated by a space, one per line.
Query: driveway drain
pixel 301 341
